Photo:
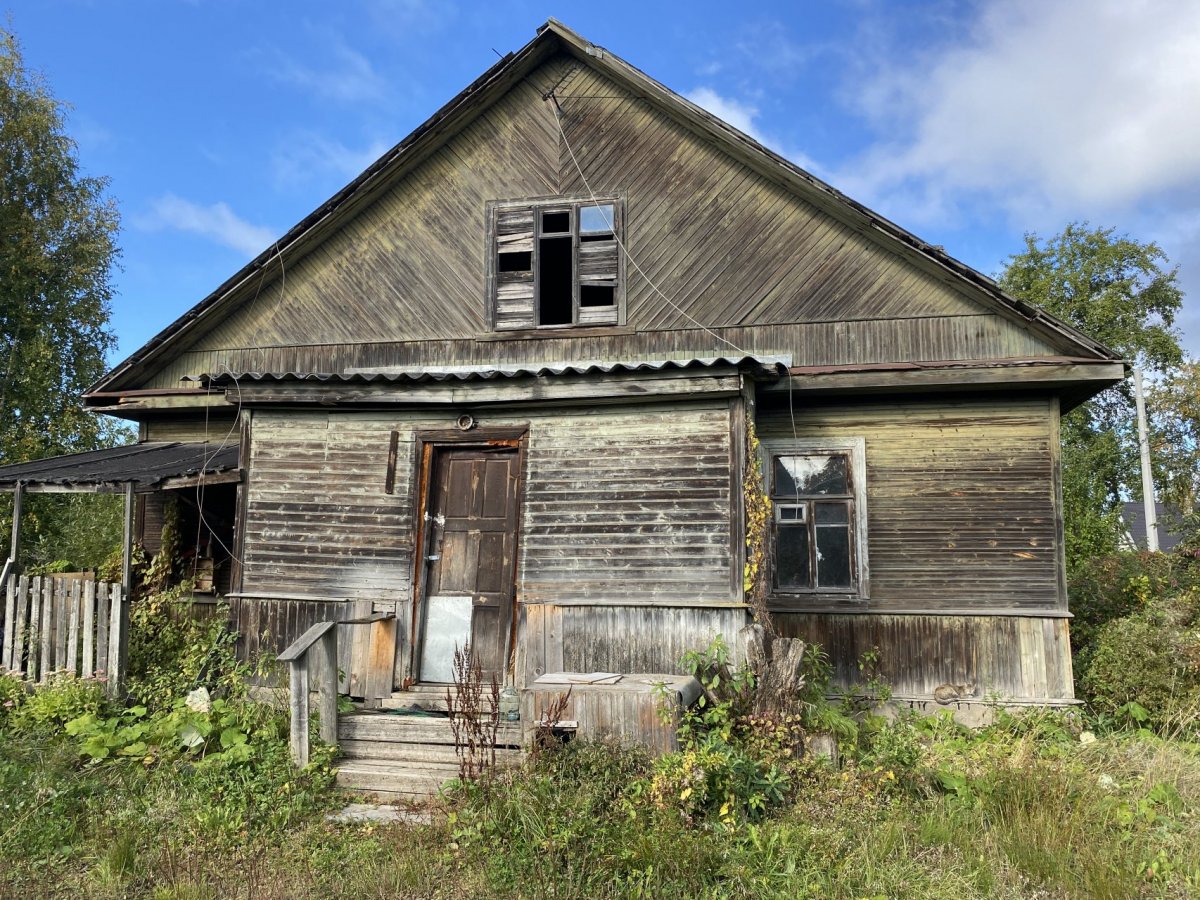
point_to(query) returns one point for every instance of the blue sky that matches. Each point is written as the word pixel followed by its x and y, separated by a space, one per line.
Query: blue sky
pixel 222 123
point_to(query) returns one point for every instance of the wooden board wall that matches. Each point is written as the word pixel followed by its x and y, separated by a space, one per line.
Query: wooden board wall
pixel 623 639
pixel 961 499
pixel 625 505
pixel 1007 657
pixel 217 428
pixel 403 281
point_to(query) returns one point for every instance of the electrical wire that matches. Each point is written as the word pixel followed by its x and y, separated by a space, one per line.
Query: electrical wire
pixel 624 250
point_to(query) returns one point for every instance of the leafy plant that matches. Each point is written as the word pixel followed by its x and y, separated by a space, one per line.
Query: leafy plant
pixel 53 704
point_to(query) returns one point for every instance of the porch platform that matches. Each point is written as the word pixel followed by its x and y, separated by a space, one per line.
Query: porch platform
pixel 390 755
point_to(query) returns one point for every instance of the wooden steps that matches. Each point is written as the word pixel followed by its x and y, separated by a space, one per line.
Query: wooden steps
pixel 398 757
pixel 430 697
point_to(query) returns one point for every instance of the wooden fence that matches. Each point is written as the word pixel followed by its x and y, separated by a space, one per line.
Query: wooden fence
pixel 61 624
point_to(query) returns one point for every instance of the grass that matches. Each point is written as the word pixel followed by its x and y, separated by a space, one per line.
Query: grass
pixel 1023 809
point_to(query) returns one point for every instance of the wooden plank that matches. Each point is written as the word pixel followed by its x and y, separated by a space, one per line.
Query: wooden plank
pixel 381 658
pixel 360 650
pixel 118 617
pixel 46 660
pixel 298 702
pixel 73 595
pixel 325 655
pixel 62 615
pixel 88 661
pixel 22 620
pixel 8 623
pixel 102 623
pixel 553 618
pixel 33 670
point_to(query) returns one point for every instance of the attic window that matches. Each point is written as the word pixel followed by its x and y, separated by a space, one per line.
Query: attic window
pixel 554 264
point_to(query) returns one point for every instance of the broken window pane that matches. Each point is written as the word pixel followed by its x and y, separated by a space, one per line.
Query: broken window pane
pixel 516 262
pixel 811 474
pixel 594 220
pixel 791 557
pixel 555 300
pixel 556 222
pixel 597 295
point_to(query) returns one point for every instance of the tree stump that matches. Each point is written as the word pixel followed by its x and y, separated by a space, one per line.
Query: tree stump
pixel 778 667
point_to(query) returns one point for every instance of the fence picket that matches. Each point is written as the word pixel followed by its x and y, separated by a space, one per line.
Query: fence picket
pixel 115 675
pixel 10 616
pixel 102 608
pixel 87 662
pixel 73 626
pixel 46 662
pixel 60 625
pixel 22 621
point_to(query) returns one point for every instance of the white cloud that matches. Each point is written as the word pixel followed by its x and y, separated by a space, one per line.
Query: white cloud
pixel 307 154
pixel 1051 110
pixel 217 222
pixel 742 116
pixel 350 78
pixel 739 115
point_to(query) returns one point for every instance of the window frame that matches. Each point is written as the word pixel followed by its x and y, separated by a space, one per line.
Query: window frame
pixel 540 205
pixel 854 450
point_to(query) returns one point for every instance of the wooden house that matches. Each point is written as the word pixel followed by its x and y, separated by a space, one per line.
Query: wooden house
pixel 500 387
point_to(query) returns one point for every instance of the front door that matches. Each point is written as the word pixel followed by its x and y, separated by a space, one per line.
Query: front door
pixel 470 558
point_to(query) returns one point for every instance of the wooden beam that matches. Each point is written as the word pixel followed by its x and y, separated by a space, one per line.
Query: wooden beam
pixel 14 552
pixel 951 378
pixel 196 398
pixel 578 389
pixel 231 476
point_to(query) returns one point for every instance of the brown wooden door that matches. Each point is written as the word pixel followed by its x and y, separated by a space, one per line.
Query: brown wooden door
pixel 472 552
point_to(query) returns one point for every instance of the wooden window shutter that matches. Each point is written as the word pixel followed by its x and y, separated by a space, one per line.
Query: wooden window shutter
pixel 599 275
pixel 512 292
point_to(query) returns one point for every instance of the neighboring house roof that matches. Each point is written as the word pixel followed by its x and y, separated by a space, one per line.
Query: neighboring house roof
pixel 555 37
pixel 1133 514
pixel 147 467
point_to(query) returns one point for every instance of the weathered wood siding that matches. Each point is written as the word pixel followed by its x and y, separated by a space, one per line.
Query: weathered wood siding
pixel 622 639
pixel 403 281
pixel 629 506
pixel 624 505
pixel 961 499
pixel 218 428
pixel 318 519
pixel 1007 657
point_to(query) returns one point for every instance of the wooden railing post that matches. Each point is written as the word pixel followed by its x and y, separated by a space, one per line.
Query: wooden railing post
pixel 321 639
pixel 328 688
pixel 298 671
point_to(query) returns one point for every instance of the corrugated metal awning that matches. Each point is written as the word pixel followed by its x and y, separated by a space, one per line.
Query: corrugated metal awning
pixel 758 365
pixel 147 467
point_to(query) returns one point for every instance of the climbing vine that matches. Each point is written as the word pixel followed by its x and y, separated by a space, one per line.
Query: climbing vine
pixel 758 521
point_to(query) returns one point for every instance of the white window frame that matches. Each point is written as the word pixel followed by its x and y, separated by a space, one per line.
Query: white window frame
pixel 854 448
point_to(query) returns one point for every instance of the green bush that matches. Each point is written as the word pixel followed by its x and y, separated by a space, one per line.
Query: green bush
pixel 1112 587
pixel 171 652
pixel 1147 665
pixel 52 705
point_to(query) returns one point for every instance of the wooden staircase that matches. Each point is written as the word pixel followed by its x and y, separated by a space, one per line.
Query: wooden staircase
pixel 406 757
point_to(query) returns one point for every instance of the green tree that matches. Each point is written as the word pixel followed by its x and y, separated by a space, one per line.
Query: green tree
pixel 1173 407
pixel 57 231
pixel 1123 293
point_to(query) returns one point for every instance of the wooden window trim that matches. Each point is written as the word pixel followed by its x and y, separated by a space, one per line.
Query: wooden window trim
pixel 538 205
pixel 854 449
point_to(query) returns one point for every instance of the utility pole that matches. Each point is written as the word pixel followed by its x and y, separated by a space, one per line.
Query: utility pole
pixel 1147 475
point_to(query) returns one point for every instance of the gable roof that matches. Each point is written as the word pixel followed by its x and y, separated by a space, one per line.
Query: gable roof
pixel 554 37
